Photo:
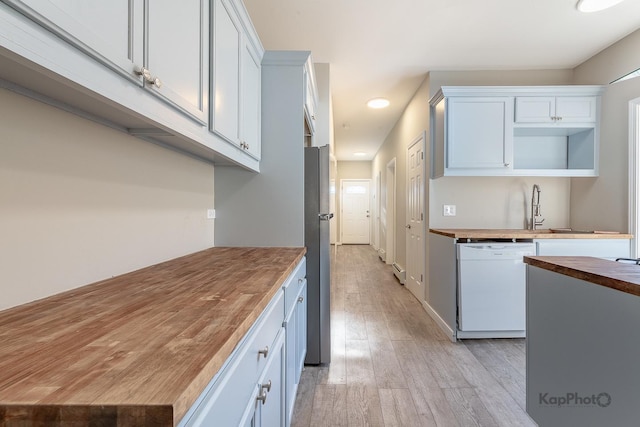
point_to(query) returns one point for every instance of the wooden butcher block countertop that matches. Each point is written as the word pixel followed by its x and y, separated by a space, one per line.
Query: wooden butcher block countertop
pixel 470 233
pixel 137 349
pixel 622 276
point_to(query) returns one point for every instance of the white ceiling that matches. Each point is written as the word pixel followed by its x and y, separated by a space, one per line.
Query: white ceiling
pixel 386 47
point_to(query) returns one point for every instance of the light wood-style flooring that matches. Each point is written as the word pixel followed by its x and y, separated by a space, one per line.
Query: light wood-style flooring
pixel 391 365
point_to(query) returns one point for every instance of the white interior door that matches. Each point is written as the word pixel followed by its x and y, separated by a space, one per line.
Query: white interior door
pixel 415 218
pixel 355 213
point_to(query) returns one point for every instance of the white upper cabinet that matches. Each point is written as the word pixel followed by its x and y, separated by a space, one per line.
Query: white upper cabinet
pixel 144 67
pixel 133 38
pixel 515 130
pixel 479 133
pixel 236 80
pixel 310 96
pixel 177 56
pixel 561 110
pixel 250 100
pixel 227 35
pixel 100 29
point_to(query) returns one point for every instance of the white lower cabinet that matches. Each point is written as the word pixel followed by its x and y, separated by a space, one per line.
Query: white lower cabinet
pixel 599 248
pixel 270 399
pixel 253 387
pixel 295 326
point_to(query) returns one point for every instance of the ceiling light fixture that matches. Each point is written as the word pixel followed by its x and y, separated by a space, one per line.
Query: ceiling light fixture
pixel 595 5
pixel 360 154
pixel 378 103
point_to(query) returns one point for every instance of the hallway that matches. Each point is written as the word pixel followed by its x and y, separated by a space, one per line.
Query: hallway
pixel 391 365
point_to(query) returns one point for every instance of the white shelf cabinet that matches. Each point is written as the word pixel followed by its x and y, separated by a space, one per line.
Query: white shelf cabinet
pixel 515 131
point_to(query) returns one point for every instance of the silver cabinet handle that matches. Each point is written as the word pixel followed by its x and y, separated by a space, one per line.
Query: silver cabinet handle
pixel 301 280
pixel 266 386
pixel 300 299
pixel 146 75
pixel 155 81
pixel 262 397
pixel 264 351
pixel 144 72
pixel 506 165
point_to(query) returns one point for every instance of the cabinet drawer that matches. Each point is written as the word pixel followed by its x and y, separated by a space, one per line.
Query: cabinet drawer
pixel 293 284
pixel 219 405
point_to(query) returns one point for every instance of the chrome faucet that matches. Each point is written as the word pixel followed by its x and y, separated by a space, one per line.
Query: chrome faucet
pixel 536 218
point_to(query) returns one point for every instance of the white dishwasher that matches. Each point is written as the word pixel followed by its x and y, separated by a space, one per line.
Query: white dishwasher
pixel 492 289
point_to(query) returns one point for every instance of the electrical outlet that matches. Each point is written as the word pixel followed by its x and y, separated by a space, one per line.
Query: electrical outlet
pixel 211 213
pixel 449 210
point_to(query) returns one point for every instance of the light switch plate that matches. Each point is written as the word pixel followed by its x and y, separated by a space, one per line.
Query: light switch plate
pixel 449 210
pixel 211 213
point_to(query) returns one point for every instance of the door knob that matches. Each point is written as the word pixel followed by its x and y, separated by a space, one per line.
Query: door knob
pixel 408 226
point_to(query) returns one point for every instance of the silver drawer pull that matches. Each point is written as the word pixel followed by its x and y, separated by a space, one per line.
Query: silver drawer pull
pixel 266 386
pixel 300 299
pixel 264 351
pixel 262 397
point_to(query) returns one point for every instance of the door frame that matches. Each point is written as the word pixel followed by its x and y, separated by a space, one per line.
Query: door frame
pixel 391 212
pixel 376 212
pixel 634 174
pixel 342 181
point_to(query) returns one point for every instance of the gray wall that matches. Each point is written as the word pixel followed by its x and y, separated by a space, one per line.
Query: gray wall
pixel 267 209
pixel 602 203
pixel 80 202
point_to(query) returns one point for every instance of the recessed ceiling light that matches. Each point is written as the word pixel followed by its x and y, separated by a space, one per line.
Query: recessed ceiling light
pixel 595 5
pixel 360 154
pixel 378 103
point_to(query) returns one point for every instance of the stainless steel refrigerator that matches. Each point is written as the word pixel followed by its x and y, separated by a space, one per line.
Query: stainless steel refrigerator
pixel 316 236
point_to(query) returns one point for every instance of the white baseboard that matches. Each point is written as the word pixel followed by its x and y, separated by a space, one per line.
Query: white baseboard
pixel 450 333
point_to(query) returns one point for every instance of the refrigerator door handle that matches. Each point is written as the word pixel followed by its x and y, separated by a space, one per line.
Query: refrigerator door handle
pixel 325 217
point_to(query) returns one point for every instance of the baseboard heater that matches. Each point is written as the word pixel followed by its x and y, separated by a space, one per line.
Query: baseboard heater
pixel 399 272
pixel 382 254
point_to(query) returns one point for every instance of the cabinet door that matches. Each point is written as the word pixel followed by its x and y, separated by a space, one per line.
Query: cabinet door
pixel 479 133
pixel 271 409
pixel 109 31
pixel 178 56
pixel 559 110
pixel 227 38
pixel 535 109
pixel 310 101
pixel 576 109
pixel 301 331
pixel 250 102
